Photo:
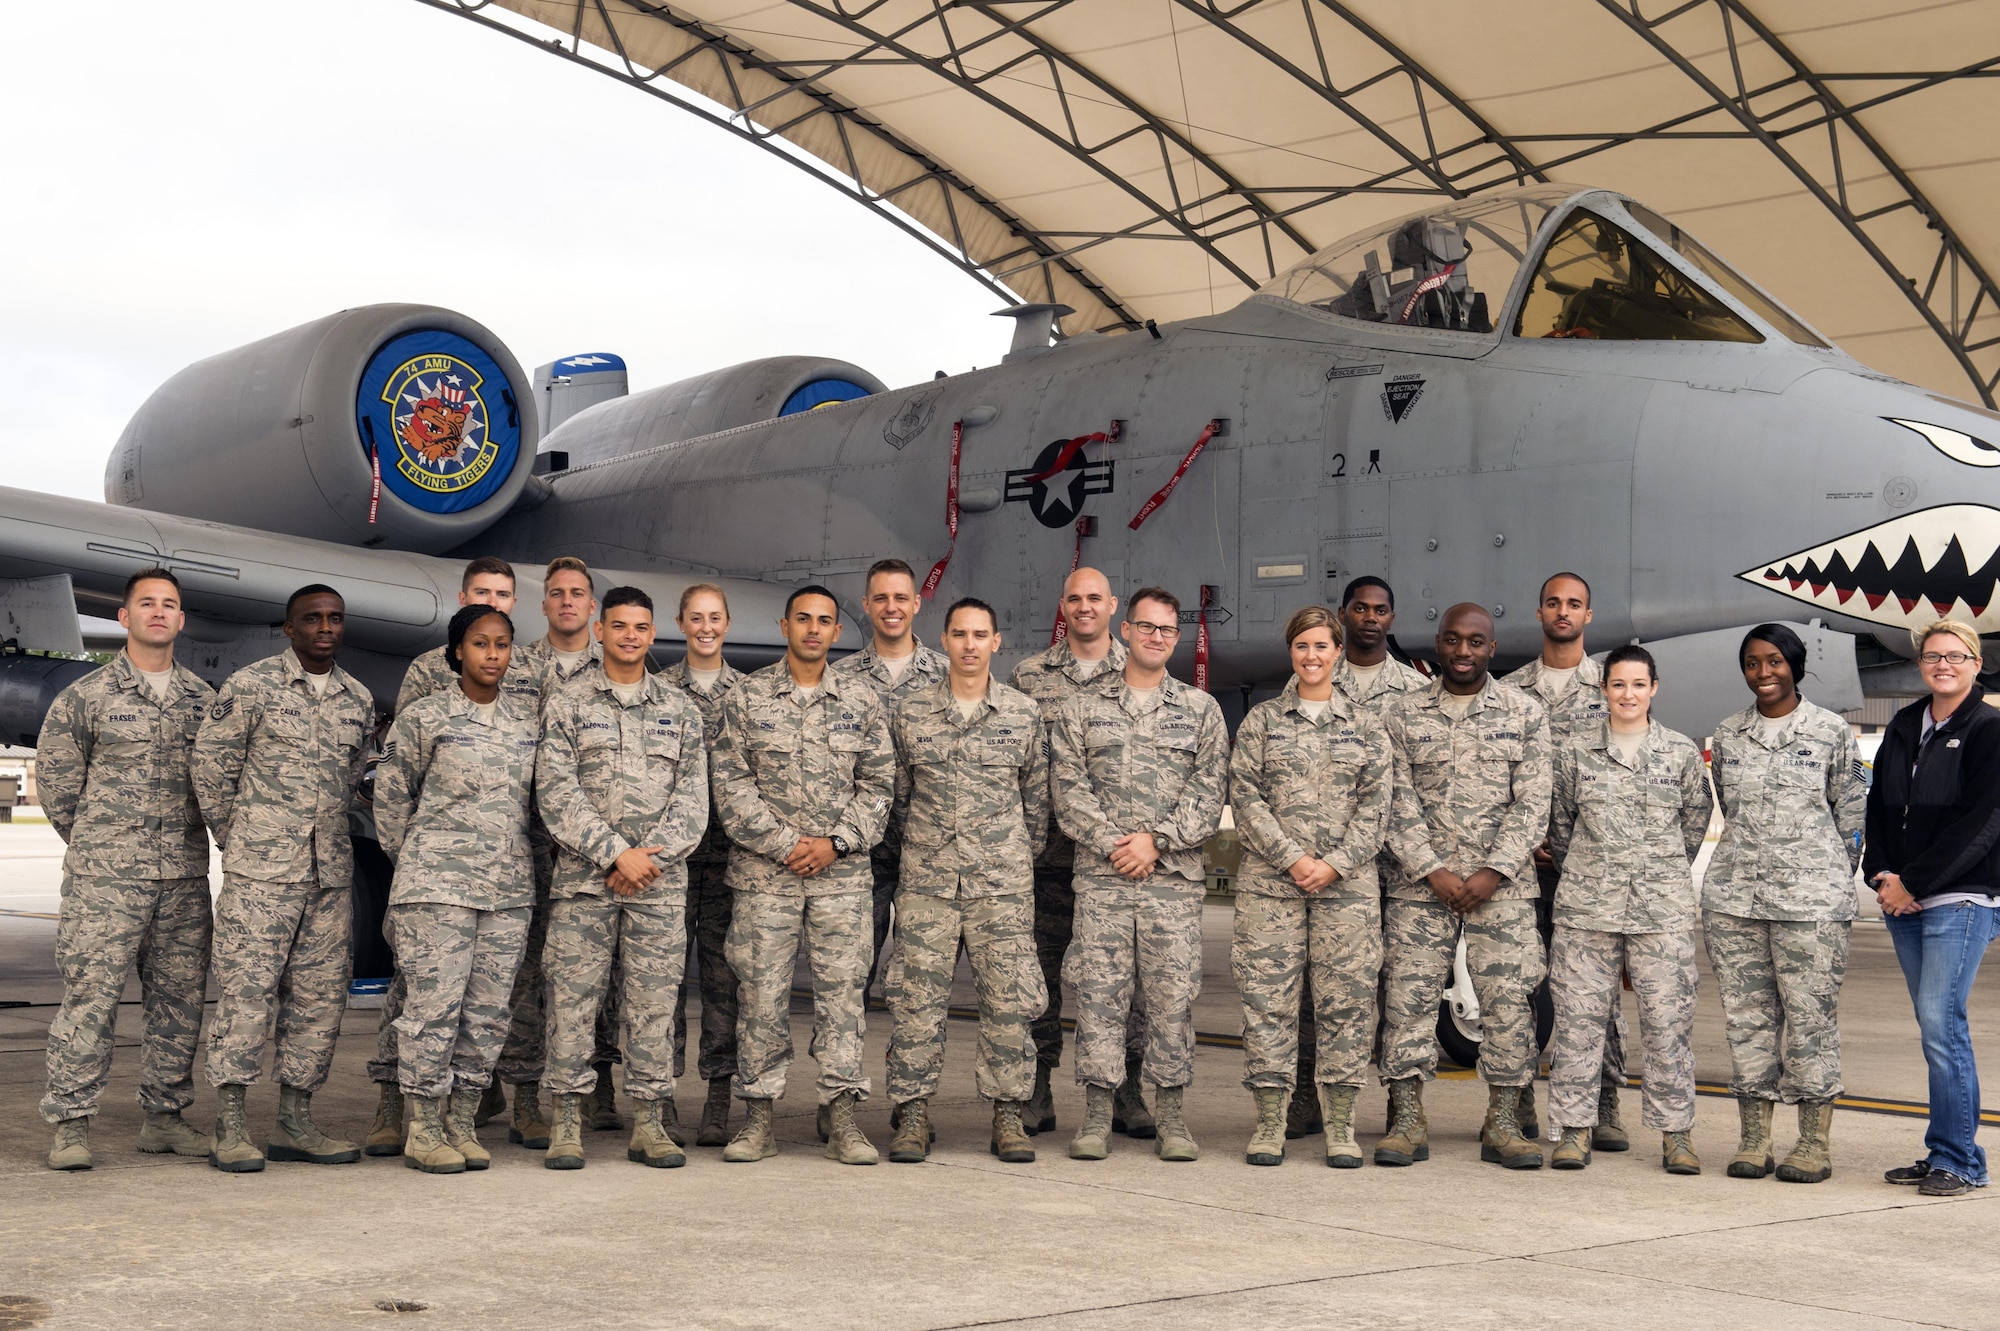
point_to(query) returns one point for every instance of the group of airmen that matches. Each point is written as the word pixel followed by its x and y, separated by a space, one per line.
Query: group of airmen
pixel 567 826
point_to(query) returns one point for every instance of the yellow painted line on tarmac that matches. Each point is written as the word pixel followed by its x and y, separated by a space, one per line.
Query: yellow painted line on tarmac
pixel 31 914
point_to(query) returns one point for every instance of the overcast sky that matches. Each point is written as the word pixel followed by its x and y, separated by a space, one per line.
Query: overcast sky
pixel 197 175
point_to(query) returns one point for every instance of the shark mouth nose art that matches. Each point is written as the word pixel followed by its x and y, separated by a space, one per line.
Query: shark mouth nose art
pixel 1940 563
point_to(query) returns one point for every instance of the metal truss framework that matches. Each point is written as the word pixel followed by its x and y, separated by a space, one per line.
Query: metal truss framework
pixel 1439 145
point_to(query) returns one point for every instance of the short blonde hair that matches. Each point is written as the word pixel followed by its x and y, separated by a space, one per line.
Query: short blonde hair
pixel 1312 617
pixel 567 564
pixel 1957 628
pixel 696 589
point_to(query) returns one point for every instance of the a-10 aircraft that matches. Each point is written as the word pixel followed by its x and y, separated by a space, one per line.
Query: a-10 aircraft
pixel 1462 401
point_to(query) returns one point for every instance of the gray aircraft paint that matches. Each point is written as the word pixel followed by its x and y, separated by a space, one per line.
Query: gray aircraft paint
pixel 1691 482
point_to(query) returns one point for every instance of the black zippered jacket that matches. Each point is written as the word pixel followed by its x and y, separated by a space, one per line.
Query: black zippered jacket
pixel 1939 828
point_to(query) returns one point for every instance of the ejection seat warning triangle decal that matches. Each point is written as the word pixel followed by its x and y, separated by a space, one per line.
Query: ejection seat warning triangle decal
pixel 1399 395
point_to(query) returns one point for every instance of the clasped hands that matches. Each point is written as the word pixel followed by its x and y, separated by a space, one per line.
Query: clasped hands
pixel 1464 895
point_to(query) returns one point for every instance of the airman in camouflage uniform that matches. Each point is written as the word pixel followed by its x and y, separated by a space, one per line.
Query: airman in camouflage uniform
pixel 1051 678
pixel 1153 762
pixel 112 769
pixel 976 792
pixel 1575 711
pixel 452 797
pixel 709 905
pixel 613 775
pixel 1472 796
pixel 1777 907
pixel 275 767
pixel 925 669
pixel 1623 835
pixel 792 765
pixel 1309 787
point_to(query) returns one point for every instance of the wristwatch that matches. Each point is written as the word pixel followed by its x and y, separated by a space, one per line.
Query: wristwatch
pixel 840 846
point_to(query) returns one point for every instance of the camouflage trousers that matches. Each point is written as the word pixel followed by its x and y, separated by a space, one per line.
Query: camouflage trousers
pixel 107 926
pixel 1134 943
pixel 648 939
pixel 1055 926
pixel 1614 1030
pixel 886 870
pixel 1585 967
pixel 765 930
pixel 1280 942
pixel 283 948
pixel 709 902
pixel 522 1058
pixel 999 935
pixel 1780 985
pixel 1504 954
pixel 458 966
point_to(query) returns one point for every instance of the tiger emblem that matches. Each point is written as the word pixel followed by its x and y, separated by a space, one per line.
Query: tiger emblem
pixel 435 430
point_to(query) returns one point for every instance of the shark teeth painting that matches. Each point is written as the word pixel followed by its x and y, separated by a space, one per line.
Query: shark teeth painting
pixel 1942 562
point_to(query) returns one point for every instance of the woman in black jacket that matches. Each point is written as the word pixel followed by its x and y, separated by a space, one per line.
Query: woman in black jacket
pixel 1933 859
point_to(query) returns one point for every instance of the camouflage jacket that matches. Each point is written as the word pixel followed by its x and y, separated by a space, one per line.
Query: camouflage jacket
pixel 1624 836
pixel 112 771
pixel 451 800
pixel 714 847
pixel 1471 793
pixel 533 668
pixel 612 775
pixel 787 767
pixel 927 668
pixel 276 767
pixel 1577 711
pixel 977 792
pixel 1122 765
pixel 1302 787
pixel 1793 808
pixel 1394 681
pixel 1052 678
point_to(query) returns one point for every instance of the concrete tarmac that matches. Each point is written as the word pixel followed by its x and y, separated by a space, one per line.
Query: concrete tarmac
pixel 148 1241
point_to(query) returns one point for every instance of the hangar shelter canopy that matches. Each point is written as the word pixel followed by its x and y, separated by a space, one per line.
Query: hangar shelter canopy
pixel 1162 159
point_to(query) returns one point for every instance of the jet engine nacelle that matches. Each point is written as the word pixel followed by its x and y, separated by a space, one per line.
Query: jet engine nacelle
pixel 746 394
pixel 286 434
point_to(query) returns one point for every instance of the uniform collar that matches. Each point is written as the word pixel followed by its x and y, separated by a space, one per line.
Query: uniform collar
pixel 295 673
pixel 1169 692
pixel 541 649
pixel 924 661
pixel 682 674
pixel 1589 674
pixel 1062 659
pixel 829 681
pixel 1339 704
pixel 127 676
pixel 600 679
pixel 1746 724
pixel 1651 744
pixel 1434 696
pixel 1393 677
pixel 461 705
pixel 938 699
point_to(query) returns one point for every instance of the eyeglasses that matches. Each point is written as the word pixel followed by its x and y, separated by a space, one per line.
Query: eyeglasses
pixel 1166 631
pixel 1947 658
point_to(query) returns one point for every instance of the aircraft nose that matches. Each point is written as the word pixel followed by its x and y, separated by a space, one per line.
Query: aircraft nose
pixel 1930 547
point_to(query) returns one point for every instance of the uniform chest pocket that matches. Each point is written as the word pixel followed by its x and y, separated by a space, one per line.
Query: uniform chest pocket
pixel 847 740
pixel 1428 750
pixel 1799 767
pixel 291 724
pixel 663 744
pixel 1009 752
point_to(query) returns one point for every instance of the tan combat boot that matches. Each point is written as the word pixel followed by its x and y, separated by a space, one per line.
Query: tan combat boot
pixel 461 1130
pixel 169 1132
pixel 714 1129
pixel 1677 1154
pixel 71 1149
pixel 1811 1160
pixel 1753 1155
pixel 670 1119
pixel 754 1140
pixel 426 1147
pixel 528 1127
pixel 1267 1139
pixel 912 1141
pixel 1609 1134
pixel 1342 1151
pixel 1409 1138
pixel 1039 1113
pixel 299 1138
pixel 1093 1139
pixel 845 1141
pixel 1176 1143
pixel 1010 1135
pixel 566 1135
pixel 1500 1140
pixel 652 1144
pixel 1573 1151
pixel 601 1113
pixel 1525 1116
pixel 233 1152
pixel 492 1103
pixel 1128 1108
pixel 385 1134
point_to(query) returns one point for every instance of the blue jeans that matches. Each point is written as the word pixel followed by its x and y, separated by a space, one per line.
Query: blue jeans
pixel 1939 951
